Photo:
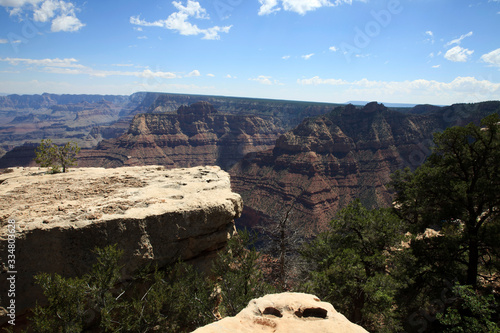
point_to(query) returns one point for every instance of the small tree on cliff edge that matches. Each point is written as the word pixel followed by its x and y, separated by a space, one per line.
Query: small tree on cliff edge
pixel 56 157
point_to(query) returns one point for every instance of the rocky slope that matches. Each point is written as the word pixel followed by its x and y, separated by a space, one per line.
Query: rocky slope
pixel 195 135
pixel 327 161
pixel 155 215
pixel 285 313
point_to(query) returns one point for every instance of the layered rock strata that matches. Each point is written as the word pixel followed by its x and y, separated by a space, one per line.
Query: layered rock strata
pixel 327 161
pixel 285 313
pixel 195 135
pixel 155 215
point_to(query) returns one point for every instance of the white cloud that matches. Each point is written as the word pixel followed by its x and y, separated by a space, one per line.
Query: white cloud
pixel 67 62
pixel 194 73
pixel 459 39
pixel 67 23
pixel 492 58
pixel 436 66
pixel 458 54
pixel 71 66
pixel 307 56
pixel 333 48
pixel 316 80
pixel 263 80
pixel 430 38
pixel 285 57
pixel 62 14
pixel 46 11
pixel 178 21
pixel 266 80
pixel 210 74
pixel 3 41
pixel 460 89
pixel 142 37
pixel 268 6
pixel 298 6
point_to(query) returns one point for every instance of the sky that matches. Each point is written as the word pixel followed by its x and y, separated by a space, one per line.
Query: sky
pixel 400 51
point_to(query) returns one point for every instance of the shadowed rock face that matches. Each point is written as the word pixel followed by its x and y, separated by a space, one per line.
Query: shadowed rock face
pixel 156 216
pixel 287 313
pixel 327 161
pixel 196 135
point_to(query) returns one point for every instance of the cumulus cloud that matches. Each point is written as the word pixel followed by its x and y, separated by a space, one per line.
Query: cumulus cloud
pixel 458 54
pixel 285 57
pixel 298 6
pixel 333 48
pixel 459 39
pixel 492 58
pixel 61 14
pixel 178 21
pixel 68 23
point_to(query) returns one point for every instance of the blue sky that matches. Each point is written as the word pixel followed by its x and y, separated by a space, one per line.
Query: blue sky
pixel 406 51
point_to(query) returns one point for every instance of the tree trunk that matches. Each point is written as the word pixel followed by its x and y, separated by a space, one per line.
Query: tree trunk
pixel 473 260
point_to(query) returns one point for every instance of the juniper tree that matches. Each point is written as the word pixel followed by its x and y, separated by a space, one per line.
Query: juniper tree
pixel 56 157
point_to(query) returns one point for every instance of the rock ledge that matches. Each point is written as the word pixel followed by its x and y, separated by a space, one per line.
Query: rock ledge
pixel 155 215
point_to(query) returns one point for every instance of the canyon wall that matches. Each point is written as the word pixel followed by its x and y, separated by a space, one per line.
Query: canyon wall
pixel 195 135
pixel 327 161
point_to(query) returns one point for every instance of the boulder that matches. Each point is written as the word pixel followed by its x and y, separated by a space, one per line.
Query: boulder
pixel 285 312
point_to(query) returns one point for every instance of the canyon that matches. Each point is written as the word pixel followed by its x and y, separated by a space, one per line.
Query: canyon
pixel 327 161
pixel 306 170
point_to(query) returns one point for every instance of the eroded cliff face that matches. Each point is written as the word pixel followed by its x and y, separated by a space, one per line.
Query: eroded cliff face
pixel 327 161
pixel 156 216
pixel 195 135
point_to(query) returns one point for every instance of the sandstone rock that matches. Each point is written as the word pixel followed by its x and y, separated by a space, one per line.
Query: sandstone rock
pixel 155 215
pixel 195 135
pixel 286 312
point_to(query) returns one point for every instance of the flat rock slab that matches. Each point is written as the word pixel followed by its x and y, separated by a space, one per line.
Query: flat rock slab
pixel 156 216
pixel 88 195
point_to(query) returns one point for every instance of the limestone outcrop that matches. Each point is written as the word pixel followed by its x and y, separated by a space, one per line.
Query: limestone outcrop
pixel 155 215
pixel 286 312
